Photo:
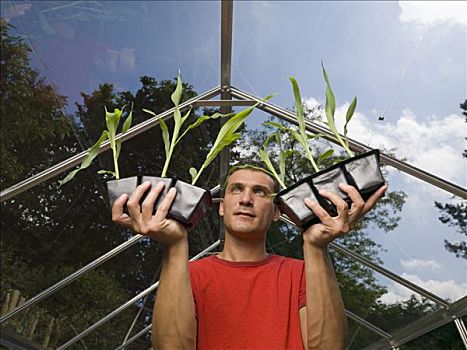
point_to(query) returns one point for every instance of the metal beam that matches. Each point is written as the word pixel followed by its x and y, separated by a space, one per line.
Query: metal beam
pixel 389 274
pixel 133 338
pixel 78 273
pixel 424 325
pixel 12 340
pixel 128 303
pixel 367 324
pixel 226 73
pixel 75 160
pixel 462 330
pixel 354 145
pixel 223 103
pixel 226 42
pixel 385 272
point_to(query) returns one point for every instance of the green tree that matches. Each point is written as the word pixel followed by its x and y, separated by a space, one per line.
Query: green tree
pixel 33 111
pixel 455 215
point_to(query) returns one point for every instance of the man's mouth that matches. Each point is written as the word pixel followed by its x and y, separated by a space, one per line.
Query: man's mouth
pixel 245 213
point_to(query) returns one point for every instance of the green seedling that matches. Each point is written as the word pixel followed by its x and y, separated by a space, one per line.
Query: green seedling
pixel 170 143
pixel 112 121
pixel 330 110
pixel 263 154
pixel 226 136
pixel 301 135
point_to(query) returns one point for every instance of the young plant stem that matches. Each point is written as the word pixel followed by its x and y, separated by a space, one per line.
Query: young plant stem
pixel 117 173
pixel 311 159
pixel 169 156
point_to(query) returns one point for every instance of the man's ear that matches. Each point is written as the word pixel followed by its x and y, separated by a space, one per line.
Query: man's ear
pixel 221 207
pixel 277 213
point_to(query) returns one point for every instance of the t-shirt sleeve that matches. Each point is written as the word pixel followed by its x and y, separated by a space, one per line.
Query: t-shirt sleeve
pixel 302 291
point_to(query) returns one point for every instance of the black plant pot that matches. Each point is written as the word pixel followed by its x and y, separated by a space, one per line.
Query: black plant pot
pixel 362 171
pixel 190 203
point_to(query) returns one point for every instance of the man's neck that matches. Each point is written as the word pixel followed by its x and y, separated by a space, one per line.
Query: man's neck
pixel 236 249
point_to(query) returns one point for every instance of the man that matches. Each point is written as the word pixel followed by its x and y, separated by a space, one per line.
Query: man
pixel 243 298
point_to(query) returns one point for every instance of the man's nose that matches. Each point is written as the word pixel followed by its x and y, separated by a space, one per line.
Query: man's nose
pixel 246 198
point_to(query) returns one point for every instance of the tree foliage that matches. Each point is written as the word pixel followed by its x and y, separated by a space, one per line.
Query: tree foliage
pixel 49 232
pixel 455 215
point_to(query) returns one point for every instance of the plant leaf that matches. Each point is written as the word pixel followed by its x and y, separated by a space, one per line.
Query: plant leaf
pixel 298 106
pixel 118 147
pixel 92 153
pixel 193 173
pixel 106 172
pixel 165 136
pixel 349 115
pixel 325 155
pixel 149 111
pixel 128 121
pixel 330 99
pixel 227 134
pixel 176 97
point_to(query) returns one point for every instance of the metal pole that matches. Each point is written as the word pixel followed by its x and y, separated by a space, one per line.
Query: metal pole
pixel 128 303
pixel 67 280
pixel 424 325
pixel 389 274
pixel 225 78
pixel 461 329
pixel 76 159
pixel 133 338
pixel 75 275
pixel 367 324
pixel 355 145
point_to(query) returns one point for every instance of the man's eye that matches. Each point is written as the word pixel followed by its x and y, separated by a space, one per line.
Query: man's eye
pixel 259 192
pixel 235 189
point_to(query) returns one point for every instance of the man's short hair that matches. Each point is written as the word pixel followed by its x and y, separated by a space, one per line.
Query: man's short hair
pixel 252 167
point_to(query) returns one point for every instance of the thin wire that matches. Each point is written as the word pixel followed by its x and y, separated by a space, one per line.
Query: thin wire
pixel 246 79
pixel 402 76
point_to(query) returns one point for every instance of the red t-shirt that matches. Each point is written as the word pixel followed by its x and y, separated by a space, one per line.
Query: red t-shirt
pixel 248 305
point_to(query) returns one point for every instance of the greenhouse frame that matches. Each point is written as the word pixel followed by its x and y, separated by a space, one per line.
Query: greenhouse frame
pixel 226 97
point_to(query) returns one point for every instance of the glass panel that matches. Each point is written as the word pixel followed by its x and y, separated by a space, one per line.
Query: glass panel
pixel 83 49
pixel 392 55
pixel 445 337
pixel 419 248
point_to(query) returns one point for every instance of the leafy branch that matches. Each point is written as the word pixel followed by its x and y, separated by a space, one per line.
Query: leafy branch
pixel 112 121
pixel 330 110
pixel 226 136
pixel 178 123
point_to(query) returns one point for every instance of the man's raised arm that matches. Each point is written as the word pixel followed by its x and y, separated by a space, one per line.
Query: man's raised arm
pixel 323 320
pixel 174 323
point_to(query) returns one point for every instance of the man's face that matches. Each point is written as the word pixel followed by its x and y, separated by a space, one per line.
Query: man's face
pixel 247 207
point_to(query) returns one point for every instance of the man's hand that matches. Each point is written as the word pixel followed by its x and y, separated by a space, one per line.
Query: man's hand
pixel 319 235
pixel 141 219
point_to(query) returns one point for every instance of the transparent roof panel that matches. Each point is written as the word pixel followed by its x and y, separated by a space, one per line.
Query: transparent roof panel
pixel 405 62
pixel 78 46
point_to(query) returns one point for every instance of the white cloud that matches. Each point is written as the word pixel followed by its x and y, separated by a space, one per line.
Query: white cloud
pixel 434 144
pixel 431 12
pixel 414 264
pixel 445 289
pixel 117 60
pixel 16 10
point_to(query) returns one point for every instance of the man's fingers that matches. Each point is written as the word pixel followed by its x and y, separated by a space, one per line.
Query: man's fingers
pixel 318 210
pixel 118 216
pixel 147 207
pixel 133 202
pixel 357 201
pixel 117 207
pixel 375 197
pixel 341 205
pixel 164 206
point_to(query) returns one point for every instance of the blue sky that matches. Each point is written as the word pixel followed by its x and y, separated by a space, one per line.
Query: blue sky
pixel 405 61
